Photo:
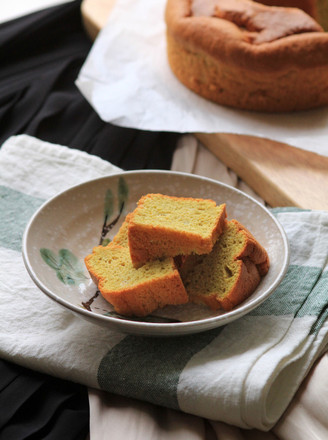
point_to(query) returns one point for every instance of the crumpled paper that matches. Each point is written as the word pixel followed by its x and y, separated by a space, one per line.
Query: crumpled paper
pixel 127 80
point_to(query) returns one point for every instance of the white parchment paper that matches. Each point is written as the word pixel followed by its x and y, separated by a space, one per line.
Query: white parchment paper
pixel 127 80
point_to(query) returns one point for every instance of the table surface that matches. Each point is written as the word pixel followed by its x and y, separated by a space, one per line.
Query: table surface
pixel 281 174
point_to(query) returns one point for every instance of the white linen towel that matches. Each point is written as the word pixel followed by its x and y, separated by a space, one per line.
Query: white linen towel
pixel 244 374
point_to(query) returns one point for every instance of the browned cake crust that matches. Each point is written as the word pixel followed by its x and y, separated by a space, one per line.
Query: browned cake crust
pixel 230 273
pixel 248 55
pixel 318 9
pixel 309 6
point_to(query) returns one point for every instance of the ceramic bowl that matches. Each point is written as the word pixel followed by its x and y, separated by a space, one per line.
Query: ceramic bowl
pixel 67 227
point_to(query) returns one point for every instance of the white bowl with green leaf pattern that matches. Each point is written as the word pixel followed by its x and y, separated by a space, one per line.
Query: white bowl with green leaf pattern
pixel 67 227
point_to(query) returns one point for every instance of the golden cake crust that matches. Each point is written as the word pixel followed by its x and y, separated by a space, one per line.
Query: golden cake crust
pixel 249 69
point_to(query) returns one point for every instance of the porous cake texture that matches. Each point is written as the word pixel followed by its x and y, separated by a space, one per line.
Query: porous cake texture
pixel 134 291
pixel 230 273
pixel 121 238
pixel 165 226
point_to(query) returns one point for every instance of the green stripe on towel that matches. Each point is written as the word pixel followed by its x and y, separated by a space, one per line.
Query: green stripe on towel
pixel 149 368
pixel 16 208
pixel 317 303
pixel 317 298
pixel 290 295
pixel 303 292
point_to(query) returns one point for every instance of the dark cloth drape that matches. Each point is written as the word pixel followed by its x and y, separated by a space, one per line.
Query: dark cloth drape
pixel 40 57
pixel 37 406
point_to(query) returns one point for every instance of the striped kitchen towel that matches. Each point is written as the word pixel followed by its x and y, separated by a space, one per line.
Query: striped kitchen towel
pixel 244 373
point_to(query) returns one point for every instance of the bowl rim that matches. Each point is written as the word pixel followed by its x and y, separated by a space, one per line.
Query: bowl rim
pixel 175 328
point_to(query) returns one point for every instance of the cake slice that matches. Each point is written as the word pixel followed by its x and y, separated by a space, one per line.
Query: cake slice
pixel 230 273
pixel 121 238
pixel 165 226
pixel 134 291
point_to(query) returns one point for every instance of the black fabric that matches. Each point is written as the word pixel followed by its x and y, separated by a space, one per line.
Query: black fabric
pixel 40 57
pixel 37 406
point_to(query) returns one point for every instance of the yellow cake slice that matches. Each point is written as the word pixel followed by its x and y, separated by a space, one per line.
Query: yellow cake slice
pixel 165 226
pixel 121 238
pixel 134 291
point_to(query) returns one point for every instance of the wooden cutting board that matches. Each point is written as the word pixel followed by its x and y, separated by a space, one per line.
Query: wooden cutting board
pixel 281 174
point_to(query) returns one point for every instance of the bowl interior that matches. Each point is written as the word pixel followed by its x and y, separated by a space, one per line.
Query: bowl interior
pixel 66 228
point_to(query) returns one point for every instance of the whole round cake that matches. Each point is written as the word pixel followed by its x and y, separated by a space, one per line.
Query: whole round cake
pixel 250 55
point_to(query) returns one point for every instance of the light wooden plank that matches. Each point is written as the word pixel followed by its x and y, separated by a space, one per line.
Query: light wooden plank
pixel 282 175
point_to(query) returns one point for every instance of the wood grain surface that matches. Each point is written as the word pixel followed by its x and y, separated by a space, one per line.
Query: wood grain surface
pixel 281 174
